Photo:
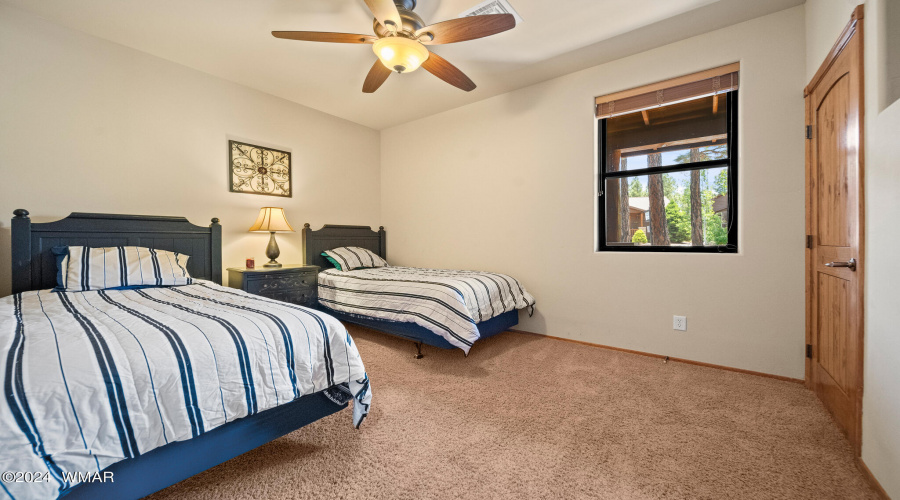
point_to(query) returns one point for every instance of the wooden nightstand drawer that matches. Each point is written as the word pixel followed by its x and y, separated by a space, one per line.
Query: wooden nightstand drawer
pixel 306 296
pixel 278 283
pixel 294 284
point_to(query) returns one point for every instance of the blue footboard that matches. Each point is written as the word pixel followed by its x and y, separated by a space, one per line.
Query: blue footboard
pixel 138 477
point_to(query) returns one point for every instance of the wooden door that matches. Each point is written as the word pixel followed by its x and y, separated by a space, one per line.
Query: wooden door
pixel 835 259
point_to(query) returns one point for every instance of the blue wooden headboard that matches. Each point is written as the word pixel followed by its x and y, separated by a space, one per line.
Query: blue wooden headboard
pixel 34 266
pixel 334 236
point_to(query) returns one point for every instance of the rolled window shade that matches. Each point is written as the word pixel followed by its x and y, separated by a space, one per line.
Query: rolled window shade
pixel 709 82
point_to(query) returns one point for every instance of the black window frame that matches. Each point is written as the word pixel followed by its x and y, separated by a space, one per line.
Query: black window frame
pixel 731 162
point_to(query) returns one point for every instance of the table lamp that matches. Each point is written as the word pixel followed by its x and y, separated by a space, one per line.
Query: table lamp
pixel 271 220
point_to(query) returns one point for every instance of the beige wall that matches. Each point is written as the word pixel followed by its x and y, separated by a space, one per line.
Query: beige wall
pixel 88 125
pixel 881 403
pixel 825 19
pixel 881 396
pixel 881 393
pixel 889 53
pixel 508 184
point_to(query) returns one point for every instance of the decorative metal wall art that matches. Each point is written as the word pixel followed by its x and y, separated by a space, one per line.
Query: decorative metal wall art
pixel 258 170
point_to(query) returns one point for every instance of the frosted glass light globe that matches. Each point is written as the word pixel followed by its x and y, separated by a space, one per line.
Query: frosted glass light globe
pixel 400 54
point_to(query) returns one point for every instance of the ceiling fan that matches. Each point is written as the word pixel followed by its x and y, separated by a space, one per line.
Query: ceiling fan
pixel 401 37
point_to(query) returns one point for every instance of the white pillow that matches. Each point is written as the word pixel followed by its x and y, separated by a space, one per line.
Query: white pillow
pixel 351 258
pixel 88 268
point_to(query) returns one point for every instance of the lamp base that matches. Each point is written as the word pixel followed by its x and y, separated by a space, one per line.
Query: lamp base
pixel 272 252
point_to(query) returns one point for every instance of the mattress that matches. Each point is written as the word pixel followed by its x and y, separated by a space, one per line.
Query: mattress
pixel 449 303
pixel 92 378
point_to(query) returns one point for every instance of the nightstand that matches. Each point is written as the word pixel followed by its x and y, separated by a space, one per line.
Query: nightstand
pixel 291 283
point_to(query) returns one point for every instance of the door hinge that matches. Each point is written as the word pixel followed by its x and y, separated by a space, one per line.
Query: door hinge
pixel 809 241
pixel 809 131
pixel 809 351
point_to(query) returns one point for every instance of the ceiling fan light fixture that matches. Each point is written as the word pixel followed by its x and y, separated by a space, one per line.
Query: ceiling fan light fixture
pixel 400 54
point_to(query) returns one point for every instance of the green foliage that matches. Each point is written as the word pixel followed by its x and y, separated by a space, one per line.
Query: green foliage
pixel 679 223
pixel 683 200
pixel 636 189
pixel 639 237
pixel 669 186
pixel 715 233
pixel 720 184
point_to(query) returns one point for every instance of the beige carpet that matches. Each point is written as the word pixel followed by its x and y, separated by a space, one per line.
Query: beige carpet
pixel 529 417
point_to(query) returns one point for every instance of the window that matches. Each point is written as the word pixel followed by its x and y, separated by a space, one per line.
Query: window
pixel 667 166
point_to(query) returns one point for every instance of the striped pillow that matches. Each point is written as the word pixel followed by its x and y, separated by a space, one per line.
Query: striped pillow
pixel 351 258
pixel 114 267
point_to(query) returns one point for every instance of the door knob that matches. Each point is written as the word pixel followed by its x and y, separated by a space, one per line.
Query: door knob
pixel 851 264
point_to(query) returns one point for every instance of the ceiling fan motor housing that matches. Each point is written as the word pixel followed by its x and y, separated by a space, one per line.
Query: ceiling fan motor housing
pixel 410 21
pixel 405 4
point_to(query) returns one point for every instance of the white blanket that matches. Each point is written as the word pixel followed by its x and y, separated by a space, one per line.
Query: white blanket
pixel 447 302
pixel 91 378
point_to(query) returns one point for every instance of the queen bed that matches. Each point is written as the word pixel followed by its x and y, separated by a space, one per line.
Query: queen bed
pixel 122 391
pixel 437 307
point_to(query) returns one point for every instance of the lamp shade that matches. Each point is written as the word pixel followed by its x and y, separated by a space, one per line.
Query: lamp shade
pixel 271 220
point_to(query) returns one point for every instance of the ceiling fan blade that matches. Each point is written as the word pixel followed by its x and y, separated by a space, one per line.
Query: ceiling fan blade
pixel 386 13
pixel 466 28
pixel 441 68
pixel 319 36
pixel 377 75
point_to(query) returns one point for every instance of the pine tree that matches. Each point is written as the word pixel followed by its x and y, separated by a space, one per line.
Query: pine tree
pixel 679 224
pixel 721 182
pixel 659 234
pixel 636 189
pixel 696 209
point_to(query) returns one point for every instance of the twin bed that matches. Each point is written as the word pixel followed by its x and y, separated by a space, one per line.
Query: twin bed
pixel 152 384
pixel 120 391
pixel 442 308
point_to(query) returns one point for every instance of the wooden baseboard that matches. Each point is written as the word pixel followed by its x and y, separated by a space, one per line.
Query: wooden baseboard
pixel 660 356
pixel 871 479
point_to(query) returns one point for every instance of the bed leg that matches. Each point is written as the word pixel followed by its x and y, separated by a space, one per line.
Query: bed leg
pixel 419 354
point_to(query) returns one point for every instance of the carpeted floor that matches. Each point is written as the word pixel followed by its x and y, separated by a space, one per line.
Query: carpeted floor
pixel 529 417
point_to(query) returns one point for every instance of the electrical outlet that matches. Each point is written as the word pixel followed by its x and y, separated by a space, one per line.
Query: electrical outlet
pixel 679 323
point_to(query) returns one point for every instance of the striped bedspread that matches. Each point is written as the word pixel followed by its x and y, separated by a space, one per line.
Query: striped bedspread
pixel 447 302
pixel 91 378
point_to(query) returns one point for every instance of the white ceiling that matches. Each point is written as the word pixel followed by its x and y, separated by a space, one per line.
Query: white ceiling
pixel 231 39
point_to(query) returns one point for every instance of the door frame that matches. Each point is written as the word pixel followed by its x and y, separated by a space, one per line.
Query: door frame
pixel 853 29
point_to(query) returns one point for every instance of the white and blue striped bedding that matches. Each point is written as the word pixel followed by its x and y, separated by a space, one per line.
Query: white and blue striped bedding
pixel 86 268
pixel 350 258
pixel 448 303
pixel 91 378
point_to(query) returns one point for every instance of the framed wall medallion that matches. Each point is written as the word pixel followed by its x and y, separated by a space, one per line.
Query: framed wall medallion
pixel 258 170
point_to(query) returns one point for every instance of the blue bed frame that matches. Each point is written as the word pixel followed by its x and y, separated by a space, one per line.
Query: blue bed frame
pixel 34 268
pixel 175 462
pixel 334 236
pixel 420 334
